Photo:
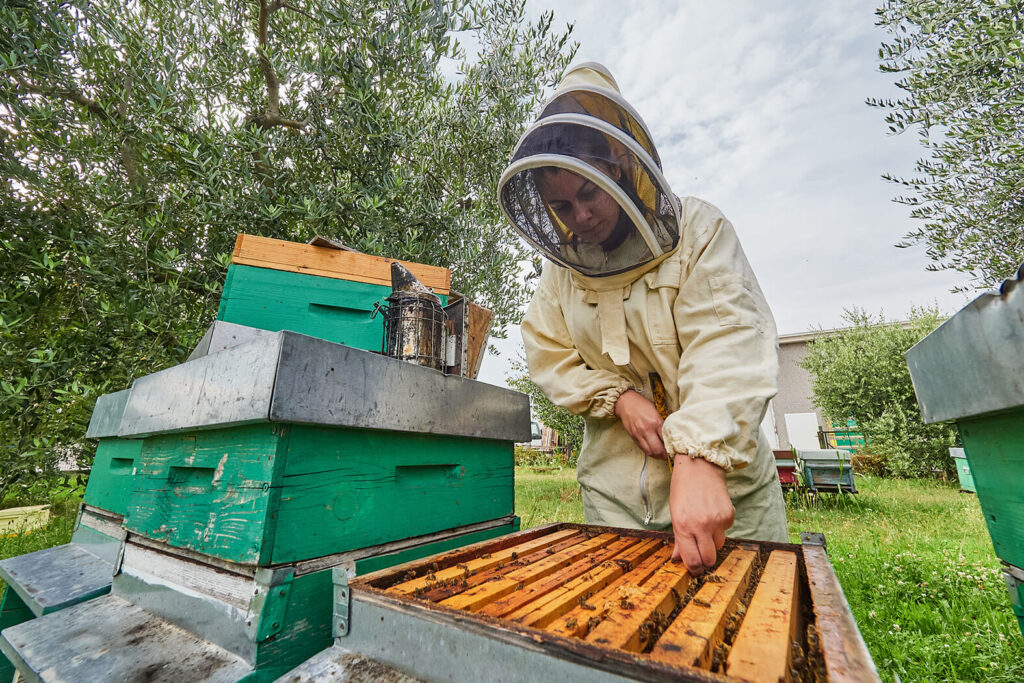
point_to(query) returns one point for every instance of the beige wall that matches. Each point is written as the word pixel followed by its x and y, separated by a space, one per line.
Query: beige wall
pixel 795 394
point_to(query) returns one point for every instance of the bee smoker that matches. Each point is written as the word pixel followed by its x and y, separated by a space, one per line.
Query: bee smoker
pixel 413 321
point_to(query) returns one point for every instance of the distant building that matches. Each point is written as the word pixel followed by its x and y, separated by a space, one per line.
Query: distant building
pixel 792 417
pixel 793 407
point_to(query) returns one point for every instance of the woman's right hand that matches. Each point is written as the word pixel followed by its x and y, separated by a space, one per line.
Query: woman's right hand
pixel 642 421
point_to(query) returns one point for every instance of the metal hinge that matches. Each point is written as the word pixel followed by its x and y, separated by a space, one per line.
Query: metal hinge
pixel 269 603
pixel 342 598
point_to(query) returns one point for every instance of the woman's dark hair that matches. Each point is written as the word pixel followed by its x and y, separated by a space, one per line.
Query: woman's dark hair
pixel 567 139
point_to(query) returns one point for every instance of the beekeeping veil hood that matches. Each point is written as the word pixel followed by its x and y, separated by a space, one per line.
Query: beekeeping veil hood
pixel 587 128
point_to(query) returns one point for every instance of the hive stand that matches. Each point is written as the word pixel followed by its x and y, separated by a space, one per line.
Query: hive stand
pixel 263 467
pixel 51 579
pixel 971 370
pixel 827 470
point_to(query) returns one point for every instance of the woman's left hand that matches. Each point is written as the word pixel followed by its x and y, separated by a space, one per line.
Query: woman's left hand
pixel 701 512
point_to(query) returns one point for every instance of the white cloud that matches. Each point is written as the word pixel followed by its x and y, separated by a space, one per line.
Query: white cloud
pixel 759 108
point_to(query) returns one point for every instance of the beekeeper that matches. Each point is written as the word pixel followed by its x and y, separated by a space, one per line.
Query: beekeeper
pixel 642 289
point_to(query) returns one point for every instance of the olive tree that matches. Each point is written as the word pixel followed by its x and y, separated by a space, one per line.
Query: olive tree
pixel 568 425
pixel 960 65
pixel 139 137
pixel 860 372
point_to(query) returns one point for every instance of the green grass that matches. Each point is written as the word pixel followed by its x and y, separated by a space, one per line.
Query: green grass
pixel 914 559
pixel 547 496
pixel 915 562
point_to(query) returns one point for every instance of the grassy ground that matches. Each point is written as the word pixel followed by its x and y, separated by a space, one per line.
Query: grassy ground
pixel 914 559
pixel 915 562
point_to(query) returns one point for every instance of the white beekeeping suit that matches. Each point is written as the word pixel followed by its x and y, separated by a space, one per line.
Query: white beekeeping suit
pixel 652 285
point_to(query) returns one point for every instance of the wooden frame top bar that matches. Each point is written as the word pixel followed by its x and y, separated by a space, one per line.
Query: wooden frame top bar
pixel 294 257
pixel 613 599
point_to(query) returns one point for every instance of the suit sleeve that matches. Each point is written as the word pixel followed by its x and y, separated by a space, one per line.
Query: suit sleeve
pixel 728 369
pixel 556 366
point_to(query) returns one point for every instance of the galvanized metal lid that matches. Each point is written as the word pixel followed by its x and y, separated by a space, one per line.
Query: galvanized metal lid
pixel 973 363
pixel 106 415
pixel 292 378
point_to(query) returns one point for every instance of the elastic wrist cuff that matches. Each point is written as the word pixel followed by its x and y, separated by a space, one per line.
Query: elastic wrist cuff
pixel 604 402
pixel 715 456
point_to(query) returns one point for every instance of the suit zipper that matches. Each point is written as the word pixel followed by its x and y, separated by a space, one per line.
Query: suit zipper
pixel 643 472
pixel 643 491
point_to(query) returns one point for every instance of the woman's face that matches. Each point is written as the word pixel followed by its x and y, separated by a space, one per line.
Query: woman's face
pixel 582 206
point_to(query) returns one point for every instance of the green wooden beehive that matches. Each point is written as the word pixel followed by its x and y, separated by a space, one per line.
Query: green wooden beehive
pixel 319 291
pixel 971 370
pixel 288 448
pixel 963 469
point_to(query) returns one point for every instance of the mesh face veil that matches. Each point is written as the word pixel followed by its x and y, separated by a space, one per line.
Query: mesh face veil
pixel 585 186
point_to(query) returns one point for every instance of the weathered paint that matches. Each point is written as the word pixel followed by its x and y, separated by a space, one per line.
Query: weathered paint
pixel 211 491
pixel 140 639
pixel 271 494
pixel 323 307
pixel 54 578
pixel 110 480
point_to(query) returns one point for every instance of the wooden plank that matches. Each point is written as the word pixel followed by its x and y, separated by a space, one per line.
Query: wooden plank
pixel 483 563
pixel 477 597
pixel 761 650
pixel 386 578
pixel 846 656
pixel 382 560
pixel 454 587
pixel 540 589
pixel 110 639
pixel 576 622
pixel 264 252
pixel 363 487
pixel 478 331
pixel 543 612
pixel 629 623
pixel 162 569
pixel 691 639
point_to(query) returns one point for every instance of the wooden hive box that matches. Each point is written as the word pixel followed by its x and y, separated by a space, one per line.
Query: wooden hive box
pixel 827 470
pixel 581 602
pixel 316 290
pixel 971 370
pixel 13 611
pixel 963 470
pixel 14 521
pixel 786 468
pixel 288 448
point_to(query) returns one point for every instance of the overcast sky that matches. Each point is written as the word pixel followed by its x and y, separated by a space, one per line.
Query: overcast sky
pixel 758 107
